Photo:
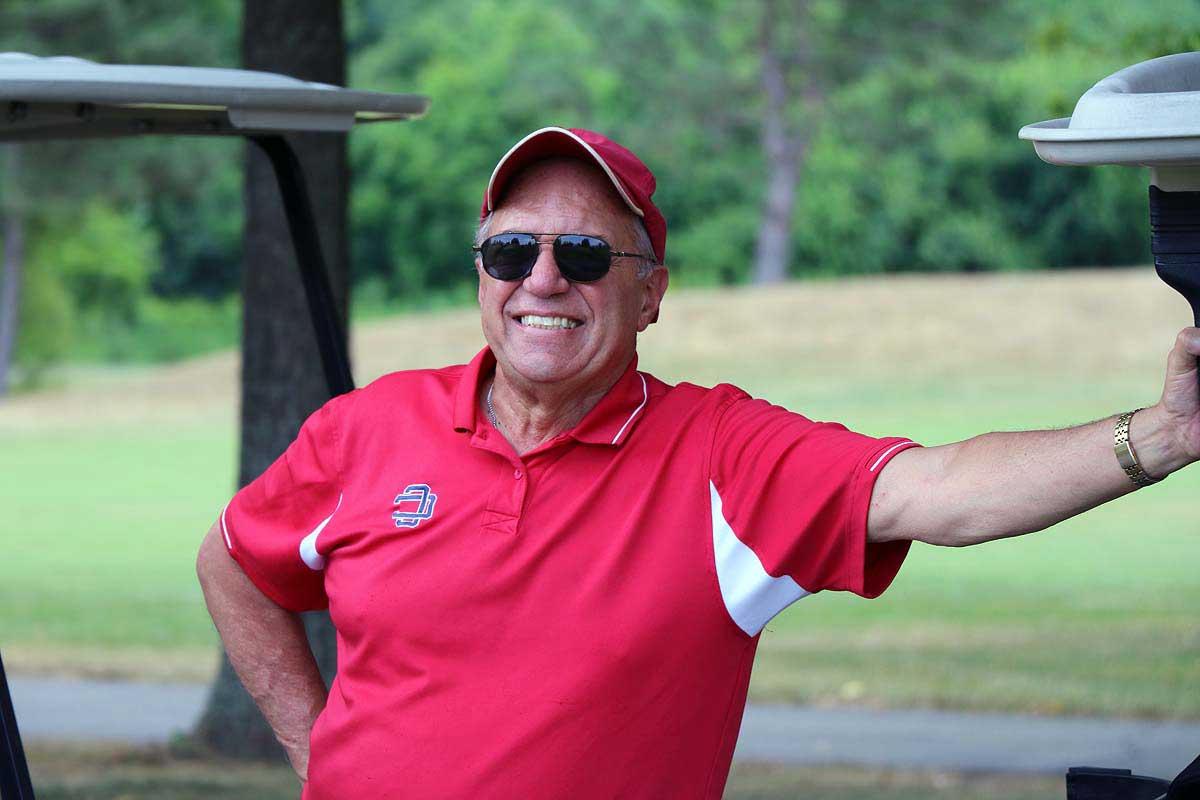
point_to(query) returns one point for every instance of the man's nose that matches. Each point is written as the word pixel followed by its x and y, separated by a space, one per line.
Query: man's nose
pixel 545 280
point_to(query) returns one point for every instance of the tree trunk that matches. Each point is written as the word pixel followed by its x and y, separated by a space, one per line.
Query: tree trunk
pixel 782 148
pixel 282 380
pixel 14 262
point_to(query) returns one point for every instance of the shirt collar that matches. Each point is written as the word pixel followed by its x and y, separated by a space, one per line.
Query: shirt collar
pixel 610 422
pixel 614 417
pixel 466 405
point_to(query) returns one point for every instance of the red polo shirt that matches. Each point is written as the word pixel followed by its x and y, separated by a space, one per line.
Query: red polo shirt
pixel 578 621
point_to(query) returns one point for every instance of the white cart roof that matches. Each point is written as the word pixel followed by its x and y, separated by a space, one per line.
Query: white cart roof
pixel 1147 114
pixel 65 98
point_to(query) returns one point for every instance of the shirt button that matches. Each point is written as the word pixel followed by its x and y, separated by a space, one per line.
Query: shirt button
pixel 517 474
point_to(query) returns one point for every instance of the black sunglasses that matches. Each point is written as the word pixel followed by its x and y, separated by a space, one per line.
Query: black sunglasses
pixel 580 258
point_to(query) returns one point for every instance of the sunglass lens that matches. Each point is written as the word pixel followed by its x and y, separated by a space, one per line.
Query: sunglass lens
pixel 582 258
pixel 509 256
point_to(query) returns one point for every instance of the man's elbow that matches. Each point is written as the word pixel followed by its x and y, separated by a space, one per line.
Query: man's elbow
pixel 211 557
pixel 924 519
pixel 965 532
pixel 956 537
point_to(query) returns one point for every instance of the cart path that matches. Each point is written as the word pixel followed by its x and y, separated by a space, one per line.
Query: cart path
pixel 66 710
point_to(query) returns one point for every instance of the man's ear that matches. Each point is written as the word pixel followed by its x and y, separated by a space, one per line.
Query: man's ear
pixel 479 276
pixel 655 287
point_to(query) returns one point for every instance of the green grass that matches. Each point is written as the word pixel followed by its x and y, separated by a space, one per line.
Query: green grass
pixel 103 532
pixel 99 773
pixel 107 500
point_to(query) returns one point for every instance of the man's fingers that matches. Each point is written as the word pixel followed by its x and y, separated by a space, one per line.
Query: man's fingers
pixel 1180 396
pixel 1183 355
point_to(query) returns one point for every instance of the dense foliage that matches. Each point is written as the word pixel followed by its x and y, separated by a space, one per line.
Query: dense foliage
pixel 912 161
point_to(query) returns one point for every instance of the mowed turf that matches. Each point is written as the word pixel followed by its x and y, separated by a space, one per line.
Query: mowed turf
pixel 111 481
pixel 98 772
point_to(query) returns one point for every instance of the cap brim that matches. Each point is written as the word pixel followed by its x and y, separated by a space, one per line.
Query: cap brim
pixel 546 143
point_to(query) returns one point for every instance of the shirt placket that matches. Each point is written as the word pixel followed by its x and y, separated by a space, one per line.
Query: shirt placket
pixel 509 484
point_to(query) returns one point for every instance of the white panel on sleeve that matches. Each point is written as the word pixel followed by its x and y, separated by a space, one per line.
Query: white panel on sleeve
pixel 308 545
pixel 751 596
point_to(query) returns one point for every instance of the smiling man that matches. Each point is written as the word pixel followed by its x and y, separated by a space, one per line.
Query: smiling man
pixel 548 570
pixel 561 344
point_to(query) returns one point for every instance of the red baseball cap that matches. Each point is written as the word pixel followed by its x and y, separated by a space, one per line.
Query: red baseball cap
pixel 632 179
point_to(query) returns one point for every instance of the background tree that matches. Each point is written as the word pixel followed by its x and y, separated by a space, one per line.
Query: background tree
pixel 792 92
pixel 133 179
pixel 887 128
pixel 282 382
pixel 12 212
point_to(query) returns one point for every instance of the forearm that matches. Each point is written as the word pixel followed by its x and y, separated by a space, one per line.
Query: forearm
pixel 267 647
pixel 1015 483
pixel 1006 484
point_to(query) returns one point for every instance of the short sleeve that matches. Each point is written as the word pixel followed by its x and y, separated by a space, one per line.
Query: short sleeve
pixel 273 524
pixel 794 495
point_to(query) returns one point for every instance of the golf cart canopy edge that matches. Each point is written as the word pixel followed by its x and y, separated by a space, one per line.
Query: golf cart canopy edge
pixel 63 97
pixel 1147 114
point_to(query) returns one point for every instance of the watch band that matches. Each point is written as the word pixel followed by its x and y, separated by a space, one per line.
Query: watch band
pixel 1126 457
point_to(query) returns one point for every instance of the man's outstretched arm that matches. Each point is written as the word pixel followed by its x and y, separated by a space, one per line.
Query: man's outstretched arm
pixel 1006 484
pixel 267 648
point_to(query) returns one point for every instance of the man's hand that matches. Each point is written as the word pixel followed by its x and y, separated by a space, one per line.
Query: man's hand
pixel 1179 407
pixel 1007 484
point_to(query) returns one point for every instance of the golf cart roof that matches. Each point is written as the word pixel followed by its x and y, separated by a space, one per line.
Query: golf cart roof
pixel 62 97
pixel 1147 114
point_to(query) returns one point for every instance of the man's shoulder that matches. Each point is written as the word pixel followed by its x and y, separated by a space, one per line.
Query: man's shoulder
pixel 403 388
pixel 692 394
pixel 692 401
pixel 407 379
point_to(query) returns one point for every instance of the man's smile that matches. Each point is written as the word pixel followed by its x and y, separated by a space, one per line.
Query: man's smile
pixel 547 322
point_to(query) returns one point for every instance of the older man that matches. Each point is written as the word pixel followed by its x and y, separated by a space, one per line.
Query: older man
pixel 548 570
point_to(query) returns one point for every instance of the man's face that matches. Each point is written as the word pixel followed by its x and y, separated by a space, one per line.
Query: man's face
pixel 567 196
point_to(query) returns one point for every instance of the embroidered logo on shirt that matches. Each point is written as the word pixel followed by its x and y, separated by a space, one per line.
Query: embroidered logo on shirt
pixel 414 505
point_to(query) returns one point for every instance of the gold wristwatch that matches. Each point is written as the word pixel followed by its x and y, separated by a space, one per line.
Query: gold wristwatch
pixel 1125 455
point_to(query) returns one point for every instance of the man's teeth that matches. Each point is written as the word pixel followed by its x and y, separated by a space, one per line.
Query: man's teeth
pixel 534 321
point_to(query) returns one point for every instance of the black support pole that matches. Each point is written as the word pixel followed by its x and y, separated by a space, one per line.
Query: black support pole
pixel 14 772
pixel 331 338
pixel 1175 242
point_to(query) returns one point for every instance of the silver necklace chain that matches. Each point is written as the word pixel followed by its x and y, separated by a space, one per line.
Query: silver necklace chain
pixel 491 410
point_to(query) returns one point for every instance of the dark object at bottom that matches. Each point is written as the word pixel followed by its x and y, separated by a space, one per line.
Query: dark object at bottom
pixel 1095 783
pixel 14 772
pixel 1187 785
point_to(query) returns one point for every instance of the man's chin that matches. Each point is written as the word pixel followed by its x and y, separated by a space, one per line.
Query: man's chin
pixel 542 368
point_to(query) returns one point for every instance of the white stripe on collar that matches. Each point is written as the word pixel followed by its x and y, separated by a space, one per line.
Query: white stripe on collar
pixel 636 411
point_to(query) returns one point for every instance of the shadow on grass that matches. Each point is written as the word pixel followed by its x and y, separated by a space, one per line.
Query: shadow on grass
pixel 105 772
